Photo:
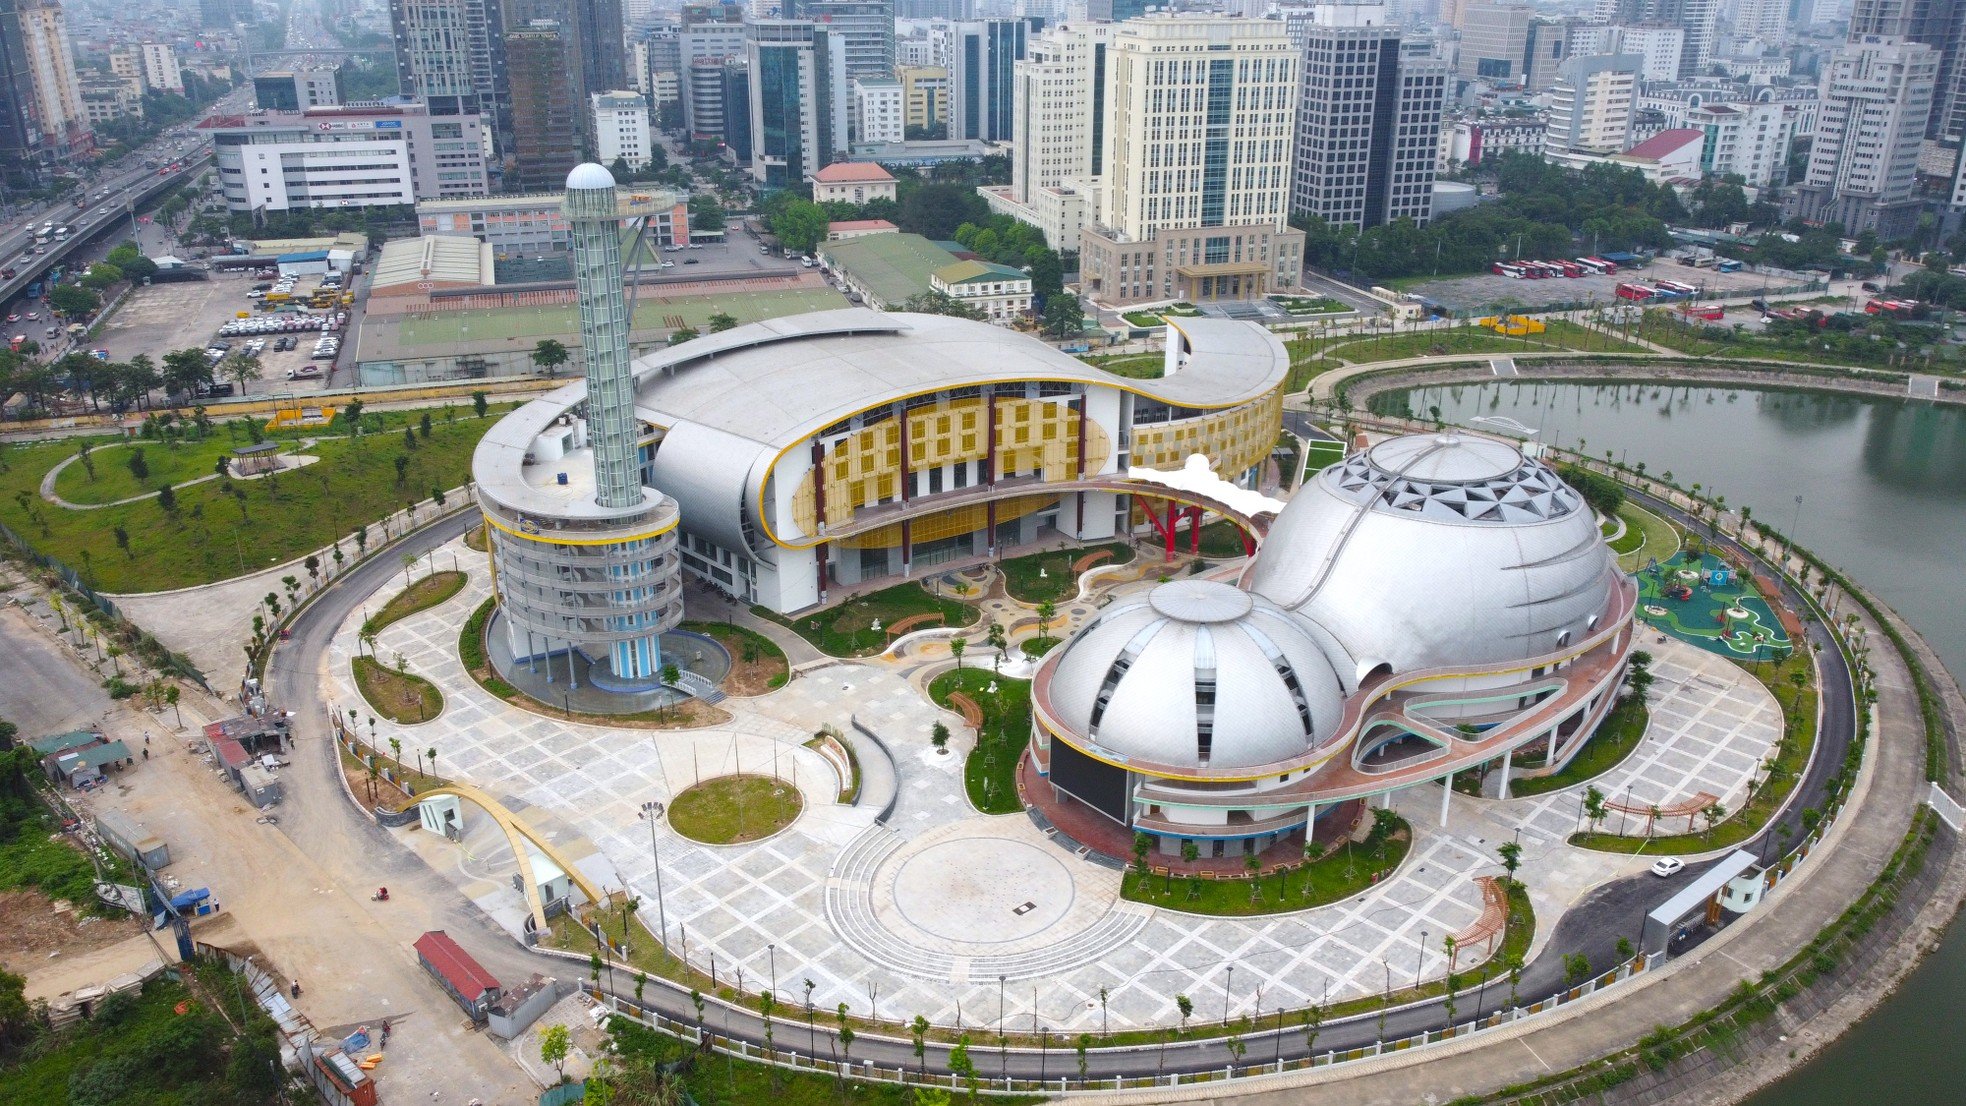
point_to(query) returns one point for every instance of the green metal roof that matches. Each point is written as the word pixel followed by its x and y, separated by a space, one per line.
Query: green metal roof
pixel 95 755
pixel 972 272
pixel 893 267
pixel 55 743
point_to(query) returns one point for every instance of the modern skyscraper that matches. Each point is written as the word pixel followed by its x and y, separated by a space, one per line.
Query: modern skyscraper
pixel 450 54
pixel 1368 122
pixel 546 115
pixel 1939 24
pixel 864 30
pixel 800 101
pixel 1058 139
pixel 1193 201
pixel 1696 17
pixel 1863 164
pixel 983 56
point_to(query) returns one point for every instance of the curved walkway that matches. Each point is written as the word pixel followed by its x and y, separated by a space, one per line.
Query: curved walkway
pixel 300 460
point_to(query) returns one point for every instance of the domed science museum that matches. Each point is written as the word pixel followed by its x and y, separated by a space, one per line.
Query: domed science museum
pixel 1429 605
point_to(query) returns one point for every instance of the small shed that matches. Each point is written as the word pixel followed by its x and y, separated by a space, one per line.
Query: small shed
pixel 55 743
pixel 85 766
pixel 442 815
pixel 267 732
pixel 555 886
pixel 255 460
pixel 262 787
pixel 521 1006
pixel 128 837
pixel 464 979
pixel 231 757
pixel 310 263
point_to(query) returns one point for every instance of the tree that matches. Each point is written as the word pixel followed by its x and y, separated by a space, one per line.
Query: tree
pixel 1511 854
pixel 423 427
pixel 138 467
pixel 1186 1006
pixel 1141 844
pixel 706 212
pixel 940 303
pixel 683 334
pixel 101 275
pixel 1714 812
pixel 1063 315
pixel 123 541
pixel 918 1029
pixel 480 403
pixel 800 225
pixel 402 468
pixel 938 736
pixel 722 321
pixel 73 301
pixel 17 1019
pixel 554 1042
pixel 962 1066
pixel 167 498
pixel 956 647
pixel 1047 610
pixel 1594 809
pixel 549 355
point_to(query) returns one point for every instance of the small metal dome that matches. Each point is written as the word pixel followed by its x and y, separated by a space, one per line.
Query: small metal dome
pixel 589 175
pixel 1197 674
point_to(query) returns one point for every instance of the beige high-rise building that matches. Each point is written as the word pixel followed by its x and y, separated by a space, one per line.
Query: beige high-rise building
pixel 1057 147
pixel 1194 198
pixel 924 95
pixel 1591 108
pixel 43 76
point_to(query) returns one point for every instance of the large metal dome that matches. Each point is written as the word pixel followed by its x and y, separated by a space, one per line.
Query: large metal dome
pixel 1437 550
pixel 1197 674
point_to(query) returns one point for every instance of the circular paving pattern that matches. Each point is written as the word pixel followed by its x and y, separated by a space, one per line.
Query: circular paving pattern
pixel 983 891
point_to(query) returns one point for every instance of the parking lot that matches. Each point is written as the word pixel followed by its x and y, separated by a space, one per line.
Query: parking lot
pixel 1487 292
pixel 165 317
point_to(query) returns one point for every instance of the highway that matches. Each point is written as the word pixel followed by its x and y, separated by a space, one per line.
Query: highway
pixel 126 190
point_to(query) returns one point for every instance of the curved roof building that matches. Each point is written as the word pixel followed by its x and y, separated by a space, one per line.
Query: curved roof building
pixel 1430 604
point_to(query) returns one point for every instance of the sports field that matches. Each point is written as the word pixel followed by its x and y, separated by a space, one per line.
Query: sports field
pixel 446 328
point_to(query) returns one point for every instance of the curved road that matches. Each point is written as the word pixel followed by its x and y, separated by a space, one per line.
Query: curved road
pixel 351 846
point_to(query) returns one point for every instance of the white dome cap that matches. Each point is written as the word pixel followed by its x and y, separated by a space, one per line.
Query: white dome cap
pixel 589 175
pixel 1135 684
pixel 1437 550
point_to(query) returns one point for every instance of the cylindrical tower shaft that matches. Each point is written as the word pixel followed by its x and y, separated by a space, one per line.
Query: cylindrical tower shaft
pixel 595 225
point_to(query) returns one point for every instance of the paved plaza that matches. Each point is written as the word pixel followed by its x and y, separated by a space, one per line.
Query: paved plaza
pixel 962 917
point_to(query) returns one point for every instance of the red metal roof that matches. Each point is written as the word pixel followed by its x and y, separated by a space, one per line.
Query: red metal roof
pixel 1665 142
pixel 860 224
pixel 230 752
pixel 456 966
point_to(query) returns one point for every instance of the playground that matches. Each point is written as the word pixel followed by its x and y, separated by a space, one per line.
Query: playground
pixel 1701 599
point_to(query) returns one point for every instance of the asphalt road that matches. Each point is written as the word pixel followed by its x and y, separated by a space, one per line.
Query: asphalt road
pixel 358 852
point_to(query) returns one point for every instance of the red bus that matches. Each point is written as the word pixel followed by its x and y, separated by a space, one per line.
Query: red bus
pixel 1570 268
pixel 1634 292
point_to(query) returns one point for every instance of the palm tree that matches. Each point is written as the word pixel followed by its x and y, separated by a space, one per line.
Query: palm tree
pixel 431 755
pixel 396 751
pixel 956 647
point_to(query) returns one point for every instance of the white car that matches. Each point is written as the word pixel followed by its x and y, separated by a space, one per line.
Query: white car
pixel 1667 866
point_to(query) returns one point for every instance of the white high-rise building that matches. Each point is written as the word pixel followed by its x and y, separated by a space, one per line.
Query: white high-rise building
pixel 1193 202
pixel 160 68
pixel 1863 164
pixel 1767 20
pixel 1591 108
pixel 1750 140
pixel 879 111
pixel 621 128
pixel 1057 147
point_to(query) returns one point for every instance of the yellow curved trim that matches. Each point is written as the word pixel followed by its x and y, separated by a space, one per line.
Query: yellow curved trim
pixel 544 540
pixel 519 833
pixel 806 438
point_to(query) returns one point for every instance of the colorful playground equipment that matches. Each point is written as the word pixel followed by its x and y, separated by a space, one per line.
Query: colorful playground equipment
pixel 1701 599
pixel 1513 326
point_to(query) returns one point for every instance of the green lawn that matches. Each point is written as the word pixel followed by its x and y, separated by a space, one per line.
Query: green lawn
pixel 1219 541
pixel 1790 759
pixel 420 596
pixel 1646 537
pixel 1059 582
pixel 991 771
pixel 730 810
pixel 1134 366
pixel 223 528
pixel 113 479
pixel 1320 455
pixel 1304 371
pixel 652 312
pixel 1560 335
pixel 1310 305
pixel 848 629
pixel 1614 741
pixel 401 697
pixel 1339 875
pixel 1144 318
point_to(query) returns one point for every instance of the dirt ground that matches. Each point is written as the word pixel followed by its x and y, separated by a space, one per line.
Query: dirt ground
pixel 165 317
pixel 32 927
pixel 1487 291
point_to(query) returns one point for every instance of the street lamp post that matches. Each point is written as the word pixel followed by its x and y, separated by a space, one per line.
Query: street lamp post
pixel 1420 959
pixel 651 811
pixel 1228 987
pixel 771 951
pixel 1003 1039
